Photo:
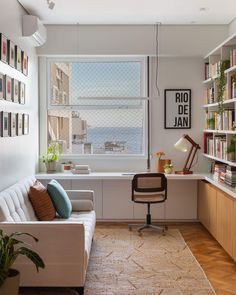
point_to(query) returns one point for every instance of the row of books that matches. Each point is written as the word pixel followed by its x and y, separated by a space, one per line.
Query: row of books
pixel 225 173
pixel 212 70
pixel 232 57
pixel 209 95
pixel 224 121
pixel 215 146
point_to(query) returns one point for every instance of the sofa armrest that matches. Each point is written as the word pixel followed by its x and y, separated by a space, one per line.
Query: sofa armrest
pixel 81 200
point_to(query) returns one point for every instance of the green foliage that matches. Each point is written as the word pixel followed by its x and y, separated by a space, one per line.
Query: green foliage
pixel 221 82
pixel 211 123
pixel 53 152
pixel 166 166
pixel 232 147
pixel 10 249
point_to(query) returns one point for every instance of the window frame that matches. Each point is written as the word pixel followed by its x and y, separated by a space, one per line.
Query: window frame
pixel 143 96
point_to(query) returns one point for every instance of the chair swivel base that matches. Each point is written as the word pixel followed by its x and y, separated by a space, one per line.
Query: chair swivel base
pixel 141 227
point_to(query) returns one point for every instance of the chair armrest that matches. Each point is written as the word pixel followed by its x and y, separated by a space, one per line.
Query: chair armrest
pixel 81 200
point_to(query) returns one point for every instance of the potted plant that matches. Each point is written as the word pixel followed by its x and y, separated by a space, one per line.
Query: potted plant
pixel 168 168
pixel 231 149
pixel 50 158
pixel 161 162
pixel 10 249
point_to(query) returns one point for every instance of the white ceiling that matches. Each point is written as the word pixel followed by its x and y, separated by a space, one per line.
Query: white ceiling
pixel 133 11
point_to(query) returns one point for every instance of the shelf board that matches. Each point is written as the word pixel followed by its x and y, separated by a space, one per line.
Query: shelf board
pixel 215 104
pixel 209 80
pixel 220 131
pixel 220 160
pixel 231 69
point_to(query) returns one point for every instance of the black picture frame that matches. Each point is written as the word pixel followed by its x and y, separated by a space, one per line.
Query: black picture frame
pixel 177 108
pixel 11 53
pixel 4 125
pixel 2 86
pixel 3 48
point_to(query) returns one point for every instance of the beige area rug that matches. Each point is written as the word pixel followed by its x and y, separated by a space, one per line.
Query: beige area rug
pixel 123 263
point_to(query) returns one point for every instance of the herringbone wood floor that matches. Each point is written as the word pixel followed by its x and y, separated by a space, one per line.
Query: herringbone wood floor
pixel 217 264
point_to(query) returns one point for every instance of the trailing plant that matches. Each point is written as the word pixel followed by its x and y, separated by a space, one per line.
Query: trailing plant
pixel 53 152
pixel 232 147
pixel 10 250
pixel 221 82
pixel 211 123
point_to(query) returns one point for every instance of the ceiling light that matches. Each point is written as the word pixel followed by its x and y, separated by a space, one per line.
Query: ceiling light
pixel 51 4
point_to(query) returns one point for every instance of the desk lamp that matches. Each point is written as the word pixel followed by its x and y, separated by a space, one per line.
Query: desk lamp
pixel 182 144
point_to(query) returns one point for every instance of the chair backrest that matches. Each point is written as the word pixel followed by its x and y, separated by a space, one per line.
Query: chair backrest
pixel 149 183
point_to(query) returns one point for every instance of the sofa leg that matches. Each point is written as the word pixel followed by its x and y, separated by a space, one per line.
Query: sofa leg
pixel 80 290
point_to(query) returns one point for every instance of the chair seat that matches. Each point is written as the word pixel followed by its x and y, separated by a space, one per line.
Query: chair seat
pixel 149 199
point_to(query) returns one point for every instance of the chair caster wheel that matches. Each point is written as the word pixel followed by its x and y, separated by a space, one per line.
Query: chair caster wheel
pixel 166 227
pixel 130 228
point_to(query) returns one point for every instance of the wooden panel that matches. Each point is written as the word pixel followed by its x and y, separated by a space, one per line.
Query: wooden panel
pixel 234 229
pixel 117 203
pixel 96 186
pixel 224 221
pixel 203 215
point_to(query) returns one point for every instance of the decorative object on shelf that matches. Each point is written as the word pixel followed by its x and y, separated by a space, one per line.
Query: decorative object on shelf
pixel 2 86
pixel 10 249
pixel 4 124
pixel 177 108
pixel 8 88
pixel 66 167
pixel 25 124
pixel 11 53
pixel 50 158
pixel 3 48
pixel 221 84
pixel 81 169
pixel 183 145
pixel 231 149
pixel 12 124
pixel 22 93
pixel 24 63
pixel 18 58
pixel 168 168
pixel 161 162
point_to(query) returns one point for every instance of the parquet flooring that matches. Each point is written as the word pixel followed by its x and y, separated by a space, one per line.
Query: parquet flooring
pixel 216 263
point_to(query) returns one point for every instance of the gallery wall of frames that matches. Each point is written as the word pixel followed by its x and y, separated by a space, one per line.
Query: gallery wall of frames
pixel 13 90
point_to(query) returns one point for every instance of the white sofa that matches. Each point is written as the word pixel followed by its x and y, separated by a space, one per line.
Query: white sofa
pixel 64 244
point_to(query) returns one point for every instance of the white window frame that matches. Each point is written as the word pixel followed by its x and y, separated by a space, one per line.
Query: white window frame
pixel 143 96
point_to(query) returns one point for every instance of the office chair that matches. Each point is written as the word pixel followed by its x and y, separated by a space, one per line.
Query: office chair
pixel 149 188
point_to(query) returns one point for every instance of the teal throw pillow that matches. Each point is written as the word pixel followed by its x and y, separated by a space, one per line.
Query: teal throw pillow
pixel 60 199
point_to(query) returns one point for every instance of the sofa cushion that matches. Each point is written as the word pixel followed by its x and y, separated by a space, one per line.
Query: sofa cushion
pixel 60 199
pixel 41 202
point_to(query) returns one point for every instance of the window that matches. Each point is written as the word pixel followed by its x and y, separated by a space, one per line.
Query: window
pixel 97 107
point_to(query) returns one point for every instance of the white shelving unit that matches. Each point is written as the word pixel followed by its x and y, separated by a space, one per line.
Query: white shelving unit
pixel 220 53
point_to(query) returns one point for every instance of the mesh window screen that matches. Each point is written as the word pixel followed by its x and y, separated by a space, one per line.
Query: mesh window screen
pixel 101 122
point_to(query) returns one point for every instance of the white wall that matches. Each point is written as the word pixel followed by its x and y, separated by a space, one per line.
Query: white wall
pixel 232 27
pixel 18 155
pixel 180 66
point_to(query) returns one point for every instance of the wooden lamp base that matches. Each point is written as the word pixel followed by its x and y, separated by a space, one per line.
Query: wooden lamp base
pixel 184 172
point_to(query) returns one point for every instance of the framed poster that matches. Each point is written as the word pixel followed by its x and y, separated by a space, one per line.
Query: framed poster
pixel 24 63
pixel 15 90
pixel 4 124
pixel 2 86
pixel 19 124
pixel 18 58
pixel 177 108
pixel 25 124
pixel 3 48
pixel 11 53
pixel 12 124
pixel 22 93
pixel 8 88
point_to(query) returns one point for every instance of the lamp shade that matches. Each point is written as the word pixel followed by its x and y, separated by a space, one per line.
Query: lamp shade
pixel 182 145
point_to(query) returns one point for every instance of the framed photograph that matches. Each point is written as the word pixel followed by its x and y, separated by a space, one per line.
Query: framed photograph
pixel 8 88
pixel 22 93
pixel 4 124
pixel 177 108
pixel 25 124
pixel 19 124
pixel 18 58
pixel 12 124
pixel 15 90
pixel 24 63
pixel 11 53
pixel 3 48
pixel 2 86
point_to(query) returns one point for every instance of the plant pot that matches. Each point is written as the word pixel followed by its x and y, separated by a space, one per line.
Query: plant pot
pixel 168 170
pixel 11 284
pixel 161 164
pixel 51 166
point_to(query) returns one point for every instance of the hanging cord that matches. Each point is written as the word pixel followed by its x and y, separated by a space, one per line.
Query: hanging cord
pixel 77 39
pixel 157 56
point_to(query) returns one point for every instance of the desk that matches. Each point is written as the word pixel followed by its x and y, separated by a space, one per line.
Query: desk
pixel 113 195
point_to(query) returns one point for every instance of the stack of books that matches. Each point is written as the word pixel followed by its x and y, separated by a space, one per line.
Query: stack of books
pixel 230 176
pixel 81 169
pixel 219 170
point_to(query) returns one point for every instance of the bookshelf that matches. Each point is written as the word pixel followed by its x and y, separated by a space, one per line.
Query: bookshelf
pixel 220 119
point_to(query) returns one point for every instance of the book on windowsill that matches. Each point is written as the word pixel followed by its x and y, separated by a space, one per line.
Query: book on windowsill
pixel 81 171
